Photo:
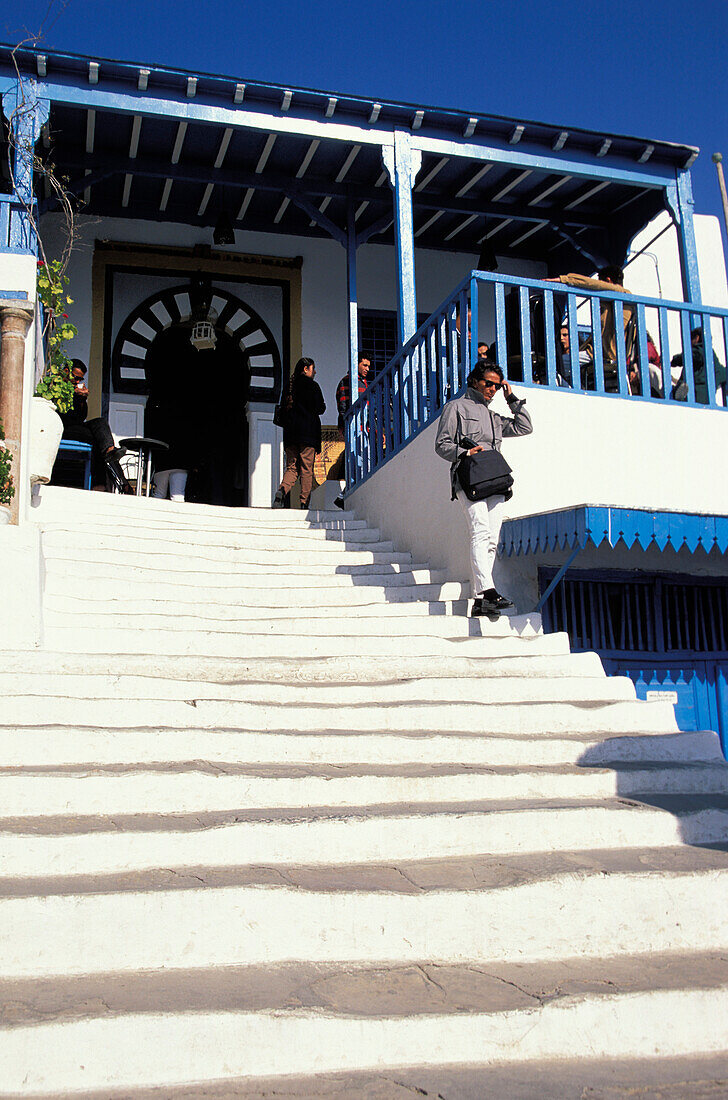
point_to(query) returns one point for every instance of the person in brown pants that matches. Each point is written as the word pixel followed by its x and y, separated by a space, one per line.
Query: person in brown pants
pixel 302 406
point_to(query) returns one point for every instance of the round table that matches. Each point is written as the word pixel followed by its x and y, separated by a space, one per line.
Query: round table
pixel 144 446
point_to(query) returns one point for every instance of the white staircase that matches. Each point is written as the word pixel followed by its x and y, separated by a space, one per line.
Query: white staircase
pixel 278 819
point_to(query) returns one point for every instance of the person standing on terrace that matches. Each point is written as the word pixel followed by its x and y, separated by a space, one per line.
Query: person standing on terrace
pixel 610 278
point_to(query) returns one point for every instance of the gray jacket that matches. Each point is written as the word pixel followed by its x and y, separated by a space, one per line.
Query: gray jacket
pixel 468 417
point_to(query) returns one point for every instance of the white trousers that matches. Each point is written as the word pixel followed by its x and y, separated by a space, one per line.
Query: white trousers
pixel 174 481
pixel 484 518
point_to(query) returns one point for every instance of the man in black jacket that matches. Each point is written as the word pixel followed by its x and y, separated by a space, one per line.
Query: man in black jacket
pixel 105 454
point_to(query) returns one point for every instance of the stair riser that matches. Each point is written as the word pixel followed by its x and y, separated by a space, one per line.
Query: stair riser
pixel 239 645
pixel 164 1050
pixel 85 562
pixel 252 538
pixel 145 793
pixel 618 717
pixel 56 503
pixel 68 586
pixel 341 670
pixel 58 747
pixel 362 620
pixel 360 840
pixel 199 534
pixel 130 688
pixel 283 595
pixel 245 926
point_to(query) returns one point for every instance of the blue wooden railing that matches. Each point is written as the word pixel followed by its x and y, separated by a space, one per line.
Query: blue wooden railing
pixel 527 316
pixel 16 230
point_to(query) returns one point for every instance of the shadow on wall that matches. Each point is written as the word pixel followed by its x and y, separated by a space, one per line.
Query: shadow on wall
pixel 682 774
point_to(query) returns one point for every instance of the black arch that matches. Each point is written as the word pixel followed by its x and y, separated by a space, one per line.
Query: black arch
pixel 252 323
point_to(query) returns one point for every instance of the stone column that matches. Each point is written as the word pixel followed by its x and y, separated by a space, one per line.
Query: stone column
pixel 15 321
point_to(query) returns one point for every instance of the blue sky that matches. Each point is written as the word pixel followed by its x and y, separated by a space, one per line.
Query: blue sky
pixel 654 68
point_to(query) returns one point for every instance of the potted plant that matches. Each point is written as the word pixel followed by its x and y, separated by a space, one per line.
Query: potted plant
pixel 54 392
pixel 7 489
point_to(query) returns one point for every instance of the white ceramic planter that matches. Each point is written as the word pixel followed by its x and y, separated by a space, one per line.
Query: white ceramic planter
pixel 4 515
pixel 46 429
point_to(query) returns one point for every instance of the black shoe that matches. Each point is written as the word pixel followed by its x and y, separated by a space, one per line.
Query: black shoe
pixel 278 499
pixel 339 502
pixel 493 603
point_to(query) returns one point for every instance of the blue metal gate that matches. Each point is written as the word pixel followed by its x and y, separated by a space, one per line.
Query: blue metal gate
pixel 668 633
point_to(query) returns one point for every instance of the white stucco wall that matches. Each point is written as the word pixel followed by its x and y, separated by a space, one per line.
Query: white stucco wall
pixel 585 449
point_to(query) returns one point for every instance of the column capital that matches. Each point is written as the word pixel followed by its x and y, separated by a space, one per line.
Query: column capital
pixel 16 318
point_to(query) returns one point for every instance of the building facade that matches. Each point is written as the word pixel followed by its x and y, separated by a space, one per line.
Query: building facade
pixel 300 222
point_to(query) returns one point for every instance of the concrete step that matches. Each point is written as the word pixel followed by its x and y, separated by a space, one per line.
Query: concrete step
pixel 145 531
pixel 411 877
pixel 56 503
pixel 79 639
pixel 200 927
pixel 351 563
pixel 201 789
pixel 49 746
pixel 238 1053
pixel 342 669
pixel 70 584
pixel 528 689
pixel 358 620
pixel 197 591
pixel 367 835
pixel 209 608
pixel 254 537
pixel 620 716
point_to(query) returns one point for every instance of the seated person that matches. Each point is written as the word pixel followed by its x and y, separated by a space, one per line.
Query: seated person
pixel 105 469
pixel 680 392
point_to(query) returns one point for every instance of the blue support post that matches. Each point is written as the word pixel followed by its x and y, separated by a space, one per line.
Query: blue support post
pixel 403 163
pixel 353 302
pixel 680 202
pixel 26 113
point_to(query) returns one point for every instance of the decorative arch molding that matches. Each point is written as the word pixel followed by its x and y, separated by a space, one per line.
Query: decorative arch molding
pixel 173 306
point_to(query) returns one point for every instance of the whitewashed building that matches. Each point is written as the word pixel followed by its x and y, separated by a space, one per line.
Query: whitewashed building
pixel 276 814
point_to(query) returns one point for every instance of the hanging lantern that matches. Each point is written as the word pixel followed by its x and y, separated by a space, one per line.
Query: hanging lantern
pixel 203 336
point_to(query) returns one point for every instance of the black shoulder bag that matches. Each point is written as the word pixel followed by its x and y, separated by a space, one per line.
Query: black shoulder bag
pixel 484 474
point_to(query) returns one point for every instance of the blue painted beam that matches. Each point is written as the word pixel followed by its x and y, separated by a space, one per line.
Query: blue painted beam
pixel 575 164
pixel 177 106
pixel 310 185
pixel 321 219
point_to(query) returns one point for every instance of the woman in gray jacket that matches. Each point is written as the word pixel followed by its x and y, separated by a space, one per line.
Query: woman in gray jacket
pixel 467 425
